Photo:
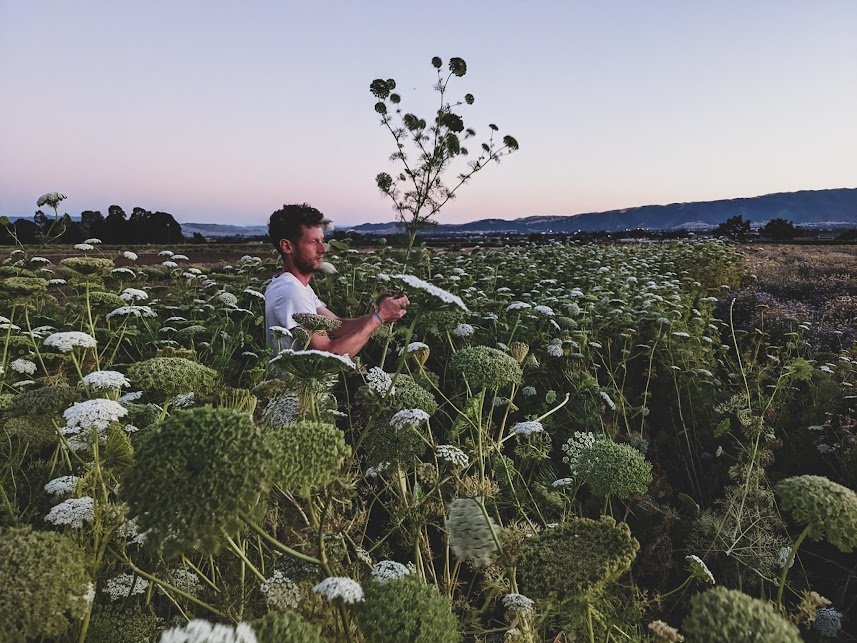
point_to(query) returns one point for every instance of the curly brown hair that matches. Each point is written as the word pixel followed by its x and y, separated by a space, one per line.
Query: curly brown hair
pixel 286 222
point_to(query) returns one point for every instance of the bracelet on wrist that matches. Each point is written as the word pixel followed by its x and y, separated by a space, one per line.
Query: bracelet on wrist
pixel 378 317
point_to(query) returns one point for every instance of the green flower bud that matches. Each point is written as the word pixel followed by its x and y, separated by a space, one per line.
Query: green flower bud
pixel 611 469
pixel 577 559
pixel 44 587
pixel 167 377
pixel 485 367
pixel 194 474
pixel 721 614
pixel 285 627
pixel 471 534
pixel 88 265
pixel 827 507
pixel 111 623
pixel 406 610
pixel 307 455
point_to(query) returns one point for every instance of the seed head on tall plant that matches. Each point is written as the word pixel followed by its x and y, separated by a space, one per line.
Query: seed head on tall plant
pixel 426 149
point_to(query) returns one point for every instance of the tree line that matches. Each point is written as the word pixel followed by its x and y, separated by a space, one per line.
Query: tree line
pixel 142 226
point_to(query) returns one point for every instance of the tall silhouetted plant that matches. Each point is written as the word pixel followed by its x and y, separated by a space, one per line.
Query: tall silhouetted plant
pixel 426 149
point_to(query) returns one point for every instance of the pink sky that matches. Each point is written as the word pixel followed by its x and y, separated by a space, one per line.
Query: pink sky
pixel 223 112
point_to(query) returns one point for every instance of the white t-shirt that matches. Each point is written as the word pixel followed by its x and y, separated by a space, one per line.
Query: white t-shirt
pixel 284 297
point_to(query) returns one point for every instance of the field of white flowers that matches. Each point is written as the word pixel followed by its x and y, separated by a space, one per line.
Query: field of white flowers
pixel 559 442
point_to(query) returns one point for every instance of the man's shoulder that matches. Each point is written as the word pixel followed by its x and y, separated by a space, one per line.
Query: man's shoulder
pixel 283 281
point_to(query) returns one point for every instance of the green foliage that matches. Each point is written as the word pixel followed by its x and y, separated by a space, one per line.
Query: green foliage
pixel 307 455
pixel 387 444
pixel 167 377
pixel 612 469
pixel 23 286
pixel 194 474
pixel 105 301
pixel 44 586
pixel 828 508
pixel 89 266
pixel 406 610
pixel 721 614
pixel 577 559
pixel 285 627
pixel 410 395
pixel 112 623
pixel 485 367
pixel 734 228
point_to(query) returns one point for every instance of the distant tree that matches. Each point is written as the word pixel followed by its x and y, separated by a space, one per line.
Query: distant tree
pixel 198 237
pixel 734 228
pixel 91 223
pixel 780 230
pixel 848 235
pixel 426 149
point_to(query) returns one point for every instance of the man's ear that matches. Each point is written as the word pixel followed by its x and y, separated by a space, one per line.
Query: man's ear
pixel 286 246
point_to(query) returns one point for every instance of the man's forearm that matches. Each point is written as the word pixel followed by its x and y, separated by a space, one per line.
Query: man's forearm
pixel 353 334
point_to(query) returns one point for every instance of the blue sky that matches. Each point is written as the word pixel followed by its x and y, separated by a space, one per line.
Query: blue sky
pixel 221 112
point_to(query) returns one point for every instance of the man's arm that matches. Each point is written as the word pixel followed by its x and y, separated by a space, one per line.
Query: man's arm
pixel 352 336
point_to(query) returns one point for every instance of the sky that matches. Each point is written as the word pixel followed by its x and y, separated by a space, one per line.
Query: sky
pixel 220 112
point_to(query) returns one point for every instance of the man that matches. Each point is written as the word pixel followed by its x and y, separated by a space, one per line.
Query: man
pixel 297 232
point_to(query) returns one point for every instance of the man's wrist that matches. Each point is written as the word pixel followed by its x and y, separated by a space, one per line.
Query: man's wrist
pixel 378 317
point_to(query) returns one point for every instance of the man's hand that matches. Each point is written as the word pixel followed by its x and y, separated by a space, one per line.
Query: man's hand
pixel 392 308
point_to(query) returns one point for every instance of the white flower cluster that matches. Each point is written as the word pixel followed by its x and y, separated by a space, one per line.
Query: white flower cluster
pixel 413 346
pixel 544 310
pixel 134 294
pixel 183 400
pixel 388 570
pixel 169 264
pixel 280 592
pixel 518 305
pixel 84 247
pixel 137 311
pixel 408 418
pixel 783 557
pixel 463 330
pixel 92 414
pixel 528 391
pixel 576 446
pixel 380 382
pixel 341 587
pixel 62 485
pixel 528 428
pixel 23 366
pixel 254 293
pixel 608 400
pixel 445 296
pixel 227 298
pixel 699 569
pixel 185 580
pixel 452 454
pixel 288 353
pixel 72 512
pixel 554 350
pixel 129 255
pixel 100 380
pixel 68 340
pixel 282 410
pixel 518 603
pixel 562 482
pixel 201 631
pixel 125 585
pixel 377 470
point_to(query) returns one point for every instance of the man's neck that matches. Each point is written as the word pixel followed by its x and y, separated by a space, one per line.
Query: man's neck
pixel 301 277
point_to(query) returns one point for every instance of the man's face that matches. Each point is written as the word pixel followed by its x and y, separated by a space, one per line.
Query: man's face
pixel 309 250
